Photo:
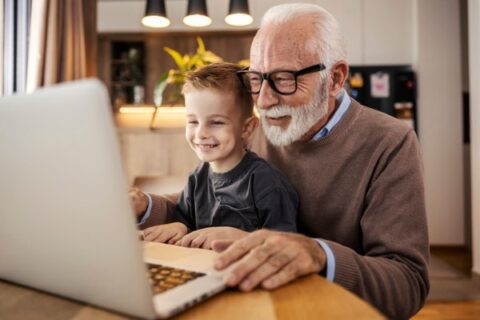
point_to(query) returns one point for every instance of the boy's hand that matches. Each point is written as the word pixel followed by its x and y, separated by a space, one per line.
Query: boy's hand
pixel 203 238
pixel 165 233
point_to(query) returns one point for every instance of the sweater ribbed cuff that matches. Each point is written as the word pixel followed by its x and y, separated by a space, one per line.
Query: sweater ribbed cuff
pixel 346 272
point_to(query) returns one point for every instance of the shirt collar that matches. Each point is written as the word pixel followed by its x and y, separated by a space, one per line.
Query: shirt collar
pixel 344 103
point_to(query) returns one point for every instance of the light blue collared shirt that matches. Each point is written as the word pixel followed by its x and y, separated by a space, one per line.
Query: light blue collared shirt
pixel 148 211
pixel 344 103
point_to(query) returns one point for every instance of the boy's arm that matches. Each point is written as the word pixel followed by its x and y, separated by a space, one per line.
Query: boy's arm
pixel 160 209
pixel 277 205
pixel 185 206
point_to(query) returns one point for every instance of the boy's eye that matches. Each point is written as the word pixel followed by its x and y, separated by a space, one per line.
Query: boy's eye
pixel 218 123
pixel 192 121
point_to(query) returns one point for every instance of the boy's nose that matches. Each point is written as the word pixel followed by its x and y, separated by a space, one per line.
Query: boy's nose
pixel 201 132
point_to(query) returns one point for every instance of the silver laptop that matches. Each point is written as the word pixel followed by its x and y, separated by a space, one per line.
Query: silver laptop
pixel 67 226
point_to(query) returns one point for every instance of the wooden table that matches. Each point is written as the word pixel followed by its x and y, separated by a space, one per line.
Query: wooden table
pixel 311 297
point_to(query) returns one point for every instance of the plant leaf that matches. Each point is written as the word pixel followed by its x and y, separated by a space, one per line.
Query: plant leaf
pixel 211 57
pixel 201 45
pixel 177 57
pixel 244 63
pixel 195 62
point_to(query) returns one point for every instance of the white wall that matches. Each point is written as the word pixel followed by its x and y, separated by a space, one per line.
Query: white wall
pixel 1 48
pixel 440 117
pixel 474 66
pixel 423 33
pixel 388 31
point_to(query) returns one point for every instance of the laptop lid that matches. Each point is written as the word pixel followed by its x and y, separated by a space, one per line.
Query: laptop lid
pixel 66 223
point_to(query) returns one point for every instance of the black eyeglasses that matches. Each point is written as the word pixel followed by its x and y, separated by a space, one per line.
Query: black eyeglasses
pixel 281 81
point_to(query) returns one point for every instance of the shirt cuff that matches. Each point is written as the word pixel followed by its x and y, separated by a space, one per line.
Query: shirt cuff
pixel 330 257
pixel 147 213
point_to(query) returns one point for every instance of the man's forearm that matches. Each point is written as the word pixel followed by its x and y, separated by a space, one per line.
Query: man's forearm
pixel 160 210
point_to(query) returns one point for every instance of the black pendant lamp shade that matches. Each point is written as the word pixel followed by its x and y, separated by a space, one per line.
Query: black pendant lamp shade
pixel 238 13
pixel 155 14
pixel 197 15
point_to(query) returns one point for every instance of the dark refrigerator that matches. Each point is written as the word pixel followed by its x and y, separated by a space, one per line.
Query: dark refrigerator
pixel 390 89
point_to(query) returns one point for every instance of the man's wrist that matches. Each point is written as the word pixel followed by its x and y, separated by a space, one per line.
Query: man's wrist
pixel 328 270
pixel 143 217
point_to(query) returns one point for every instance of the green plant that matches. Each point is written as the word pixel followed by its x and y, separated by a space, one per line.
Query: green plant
pixel 176 77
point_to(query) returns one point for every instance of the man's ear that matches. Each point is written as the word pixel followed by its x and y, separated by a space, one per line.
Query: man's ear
pixel 249 126
pixel 338 73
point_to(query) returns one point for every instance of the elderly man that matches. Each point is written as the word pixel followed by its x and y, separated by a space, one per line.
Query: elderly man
pixel 358 173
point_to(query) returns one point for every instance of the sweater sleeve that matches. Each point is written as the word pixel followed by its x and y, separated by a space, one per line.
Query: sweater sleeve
pixel 162 210
pixel 392 272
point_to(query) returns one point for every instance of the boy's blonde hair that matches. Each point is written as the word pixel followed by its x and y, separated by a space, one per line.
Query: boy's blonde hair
pixel 222 78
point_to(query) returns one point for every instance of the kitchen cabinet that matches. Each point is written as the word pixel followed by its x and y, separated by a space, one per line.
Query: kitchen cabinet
pixel 161 152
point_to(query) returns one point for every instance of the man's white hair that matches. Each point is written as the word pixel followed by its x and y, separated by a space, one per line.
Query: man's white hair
pixel 328 40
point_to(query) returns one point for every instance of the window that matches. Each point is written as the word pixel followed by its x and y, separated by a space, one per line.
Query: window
pixel 15 15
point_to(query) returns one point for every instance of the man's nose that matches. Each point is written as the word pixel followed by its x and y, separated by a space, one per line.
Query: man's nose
pixel 266 98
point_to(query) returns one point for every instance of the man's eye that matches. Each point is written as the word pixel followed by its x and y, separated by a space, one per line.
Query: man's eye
pixel 283 78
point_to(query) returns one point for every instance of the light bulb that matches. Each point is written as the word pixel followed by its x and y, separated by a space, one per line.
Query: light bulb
pixel 197 20
pixel 238 19
pixel 155 22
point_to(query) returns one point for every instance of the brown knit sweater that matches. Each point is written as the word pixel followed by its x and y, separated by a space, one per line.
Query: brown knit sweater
pixel 361 190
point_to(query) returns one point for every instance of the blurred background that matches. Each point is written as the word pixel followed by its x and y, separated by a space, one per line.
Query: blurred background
pixel 413 59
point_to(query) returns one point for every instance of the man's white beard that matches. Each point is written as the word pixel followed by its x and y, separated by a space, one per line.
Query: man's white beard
pixel 303 118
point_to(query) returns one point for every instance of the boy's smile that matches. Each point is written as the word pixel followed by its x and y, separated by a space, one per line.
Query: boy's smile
pixel 214 128
pixel 202 147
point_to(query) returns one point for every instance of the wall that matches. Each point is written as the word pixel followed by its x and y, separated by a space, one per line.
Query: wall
pixel 1 46
pixel 423 33
pixel 440 117
pixel 355 17
pixel 474 66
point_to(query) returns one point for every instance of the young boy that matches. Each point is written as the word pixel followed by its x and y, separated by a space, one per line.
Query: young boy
pixel 232 191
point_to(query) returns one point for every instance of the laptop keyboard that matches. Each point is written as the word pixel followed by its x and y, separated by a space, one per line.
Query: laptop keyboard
pixel 164 278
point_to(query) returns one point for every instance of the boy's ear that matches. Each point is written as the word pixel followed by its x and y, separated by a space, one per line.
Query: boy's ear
pixel 249 126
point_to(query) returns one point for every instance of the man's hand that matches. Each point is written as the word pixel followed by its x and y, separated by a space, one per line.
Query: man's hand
pixel 268 258
pixel 139 201
pixel 203 238
pixel 165 233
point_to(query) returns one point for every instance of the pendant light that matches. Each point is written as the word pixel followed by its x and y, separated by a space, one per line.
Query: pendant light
pixel 197 15
pixel 238 13
pixel 155 14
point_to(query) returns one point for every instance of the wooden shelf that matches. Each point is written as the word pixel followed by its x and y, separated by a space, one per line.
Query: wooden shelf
pixel 113 55
pixel 138 118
